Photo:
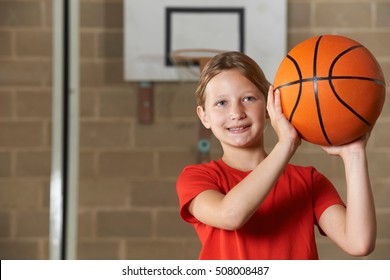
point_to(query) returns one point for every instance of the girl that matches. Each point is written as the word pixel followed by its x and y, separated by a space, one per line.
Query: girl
pixel 254 205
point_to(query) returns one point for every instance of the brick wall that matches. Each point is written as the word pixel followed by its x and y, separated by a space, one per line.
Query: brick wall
pixel 127 201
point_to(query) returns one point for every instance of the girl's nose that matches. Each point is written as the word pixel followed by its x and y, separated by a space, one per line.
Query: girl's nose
pixel 237 112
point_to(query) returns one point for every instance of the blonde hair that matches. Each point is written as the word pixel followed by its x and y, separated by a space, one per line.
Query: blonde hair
pixel 230 61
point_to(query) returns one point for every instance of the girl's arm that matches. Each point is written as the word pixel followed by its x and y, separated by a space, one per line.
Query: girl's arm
pixel 353 228
pixel 231 211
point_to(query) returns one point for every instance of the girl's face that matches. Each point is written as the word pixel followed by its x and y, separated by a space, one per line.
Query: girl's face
pixel 235 110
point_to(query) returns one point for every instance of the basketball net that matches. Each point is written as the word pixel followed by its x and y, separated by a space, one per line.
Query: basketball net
pixel 188 58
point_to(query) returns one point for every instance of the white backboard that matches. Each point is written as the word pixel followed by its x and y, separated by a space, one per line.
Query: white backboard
pixel 155 28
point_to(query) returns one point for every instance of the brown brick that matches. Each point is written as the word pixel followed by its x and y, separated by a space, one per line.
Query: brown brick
pixel 6 104
pixel 20 194
pixel 87 165
pixel 166 135
pixel 34 43
pixel 171 164
pixel 340 185
pixel 215 155
pixel 127 164
pixel 98 250
pixel 383 12
pixel 373 41
pixel 124 224
pixel 381 191
pixel 21 134
pixel 385 114
pixel 5 224
pixel 338 172
pixel 340 15
pixel 44 248
pixel 24 72
pixel 33 104
pixel 174 100
pixel 380 135
pixel 108 15
pixel 88 48
pixel 298 14
pixel 5 46
pixel 321 161
pixel 104 134
pixel 47 133
pixel 88 103
pixel 33 164
pixel 386 72
pixel 5 164
pixel 32 224
pixel 99 73
pixel 381 252
pixel 114 73
pixel 20 14
pixel 48 13
pixel 383 225
pixel 379 163
pixel 162 250
pixel 270 138
pixel 118 103
pixel 169 224
pixel 154 194
pixel 45 196
pixel 19 250
pixel 329 251
pixel 85 226
pixel 110 45
pixel 91 74
pixel 103 192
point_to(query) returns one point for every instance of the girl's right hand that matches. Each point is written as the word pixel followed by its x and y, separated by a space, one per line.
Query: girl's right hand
pixel 283 128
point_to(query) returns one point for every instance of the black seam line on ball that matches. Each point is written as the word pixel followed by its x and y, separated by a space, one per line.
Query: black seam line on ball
pixel 300 86
pixel 301 81
pixel 334 89
pixel 315 88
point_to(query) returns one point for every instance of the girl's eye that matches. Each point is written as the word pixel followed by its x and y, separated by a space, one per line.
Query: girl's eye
pixel 249 98
pixel 221 103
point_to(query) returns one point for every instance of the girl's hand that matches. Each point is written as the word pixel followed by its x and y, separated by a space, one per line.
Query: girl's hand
pixel 359 145
pixel 283 128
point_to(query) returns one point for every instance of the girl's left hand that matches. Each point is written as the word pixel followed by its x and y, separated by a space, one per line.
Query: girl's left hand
pixel 357 145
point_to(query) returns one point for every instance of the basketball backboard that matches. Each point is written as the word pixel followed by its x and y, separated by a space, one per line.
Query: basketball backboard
pixel 155 28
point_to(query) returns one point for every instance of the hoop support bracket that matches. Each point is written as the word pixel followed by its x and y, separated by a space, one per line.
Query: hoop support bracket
pixel 145 102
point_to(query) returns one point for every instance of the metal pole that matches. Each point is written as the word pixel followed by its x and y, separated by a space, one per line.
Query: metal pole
pixel 73 139
pixel 57 182
pixel 65 127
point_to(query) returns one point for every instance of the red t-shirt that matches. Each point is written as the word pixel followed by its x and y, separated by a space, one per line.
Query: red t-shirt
pixel 282 227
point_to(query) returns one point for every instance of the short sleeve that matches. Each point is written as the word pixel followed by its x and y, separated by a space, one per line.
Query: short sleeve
pixel 191 182
pixel 324 196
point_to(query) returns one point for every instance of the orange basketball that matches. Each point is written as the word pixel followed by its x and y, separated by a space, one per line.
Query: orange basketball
pixel 332 89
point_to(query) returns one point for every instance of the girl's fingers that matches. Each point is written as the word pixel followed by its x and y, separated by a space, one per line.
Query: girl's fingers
pixel 277 100
pixel 274 106
pixel 270 99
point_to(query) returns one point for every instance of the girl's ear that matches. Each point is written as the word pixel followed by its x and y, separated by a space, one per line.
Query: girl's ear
pixel 202 116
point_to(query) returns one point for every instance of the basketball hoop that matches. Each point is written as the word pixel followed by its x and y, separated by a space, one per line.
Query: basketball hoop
pixel 190 57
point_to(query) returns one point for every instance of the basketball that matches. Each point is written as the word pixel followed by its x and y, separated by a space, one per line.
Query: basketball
pixel 332 89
